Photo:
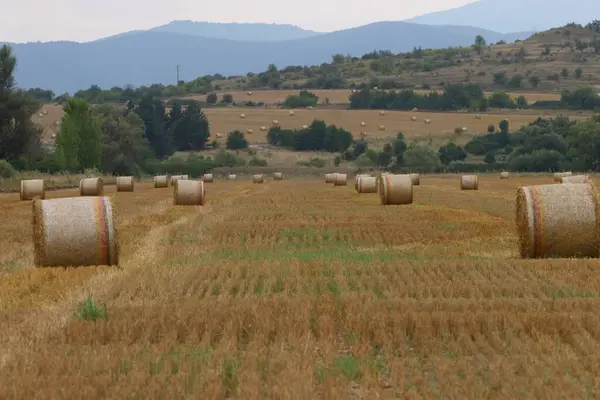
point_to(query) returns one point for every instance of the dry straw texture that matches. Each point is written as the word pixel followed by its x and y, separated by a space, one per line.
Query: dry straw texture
pixel 469 182
pixel 367 184
pixel 277 176
pixel 231 177
pixel 161 181
pixel 559 221
pixel 188 193
pixel 208 178
pixel 559 175
pixel 329 178
pixel 504 175
pixel 75 231
pixel 416 179
pixel 33 188
pixel 91 187
pixel 125 184
pixel 340 179
pixel 396 189
pixel 258 178
pixel 575 179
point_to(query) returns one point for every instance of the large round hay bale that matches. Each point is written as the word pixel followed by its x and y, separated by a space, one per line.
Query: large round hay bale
pixel 161 181
pixel 416 179
pixel 395 189
pixel 277 176
pixel 208 178
pixel 329 178
pixel 504 175
pixel 258 178
pixel 188 193
pixel 559 175
pixel 340 180
pixel 469 182
pixel 91 187
pixel 575 179
pixel 558 221
pixel 366 184
pixel 32 188
pixel 231 177
pixel 175 178
pixel 125 183
pixel 74 231
pixel 356 179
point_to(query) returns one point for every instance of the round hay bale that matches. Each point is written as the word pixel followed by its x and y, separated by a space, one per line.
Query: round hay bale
pixel 559 175
pixel 340 180
pixel 242 116
pixel 304 126
pixel 185 177
pixel 415 179
pixel 504 175
pixel 291 113
pixel 363 124
pixel 415 109
pixel 395 189
pixel 249 93
pixel 469 182
pixel 575 179
pixel 477 116
pixel 427 121
pixel 208 178
pixel 249 131
pixel 231 177
pixel 74 231
pixel 91 187
pixel 175 178
pixel 32 188
pixel 188 193
pixel 382 127
pixel 263 128
pixel 125 183
pixel 356 179
pixel 366 184
pixel 329 178
pixel 258 178
pixel 310 107
pixel 277 176
pixel 558 221
pixel 413 118
pixel 161 181
pixel 275 122
pixel 382 113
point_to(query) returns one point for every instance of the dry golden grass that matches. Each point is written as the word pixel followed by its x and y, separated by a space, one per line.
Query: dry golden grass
pixel 296 290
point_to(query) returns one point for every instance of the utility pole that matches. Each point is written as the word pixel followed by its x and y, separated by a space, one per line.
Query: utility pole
pixel 177 84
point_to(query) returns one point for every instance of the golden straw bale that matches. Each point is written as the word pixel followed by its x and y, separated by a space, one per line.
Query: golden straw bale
pixel 416 179
pixel 367 184
pixel 161 181
pixel 208 178
pixel 558 221
pixel 175 178
pixel 469 182
pixel 575 179
pixel 75 231
pixel 188 193
pixel 125 183
pixel 258 178
pixel 91 187
pixel 340 180
pixel 396 189
pixel 559 175
pixel 277 176
pixel 231 177
pixel 185 177
pixel 329 178
pixel 504 175
pixel 356 178
pixel 32 188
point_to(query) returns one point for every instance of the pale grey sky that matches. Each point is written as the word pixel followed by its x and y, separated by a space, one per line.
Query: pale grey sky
pixel 84 20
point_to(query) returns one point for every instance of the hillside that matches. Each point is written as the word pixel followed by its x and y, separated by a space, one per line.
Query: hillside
pixel 144 58
pixel 514 15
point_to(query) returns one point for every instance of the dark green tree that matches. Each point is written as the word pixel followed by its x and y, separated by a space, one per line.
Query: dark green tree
pixel 451 152
pixel 236 140
pixel 191 132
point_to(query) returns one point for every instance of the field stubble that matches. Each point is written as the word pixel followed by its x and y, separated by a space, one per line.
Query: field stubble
pixel 302 290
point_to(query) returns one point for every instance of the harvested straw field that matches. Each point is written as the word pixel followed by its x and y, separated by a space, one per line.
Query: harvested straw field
pixel 300 290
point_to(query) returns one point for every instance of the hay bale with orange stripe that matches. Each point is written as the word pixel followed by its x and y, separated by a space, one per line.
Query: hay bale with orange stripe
pixel 575 179
pixel 91 187
pixel 395 189
pixel 75 231
pixel 469 182
pixel 188 193
pixel 340 180
pixel 125 184
pixel 558 221
pixel 161 181
pixel 32 188
pixel 366 184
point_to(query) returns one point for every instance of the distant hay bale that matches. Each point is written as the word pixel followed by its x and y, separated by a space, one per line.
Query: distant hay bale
pixel 477 116
pixel 185 177
pixel 188 193
pixel 366 184
pixel 304 126
pixel 263 128
pixel 415 109
pixel 258 178
pixel 208 178
pixel 242 116
pixel 356 179
pixel 329 178
pixel 161 181
pixel 427 121
pixel 504 175
pixel 32 188
pixel 382 113
pixel 558 221
pixel 249 131
pixel 291 113
pixel 559 175
pixel 469 182
pixel 310 107
pixel 413 118
pixel 415 179
pixel 464 129
pixel 219 135
pixel 175 178
pixel 575 179
pixel 395 189
pixel 340 180
pixel 249 93
pixel 74 231
pixel 231 177
pixel 275 122
pixel 91 187
pixel 363 124
pixel 278 176
pixel 382 127
pixel 125 183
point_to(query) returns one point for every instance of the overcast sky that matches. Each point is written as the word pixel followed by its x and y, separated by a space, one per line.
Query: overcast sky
pixel 84 20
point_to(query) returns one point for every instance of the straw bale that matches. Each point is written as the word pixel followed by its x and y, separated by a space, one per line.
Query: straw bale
pixel 91 187
pixel 469 182
pixel 340 180
pixel 277 176
pixel 504 175
pixel 185 177
pixel 258 178
pixel 231 177
pixel 367 184
pixel 188 193
pixel 559 175
pixel 208 178
pixel 125 184
pixel 416 179
pixel 396 189
pixel 558 221
pixel 356 178
pixel 33 188
pixel 575 179
pixel 175 178
pixel 329 178
pixel 161 181
pixel 75 231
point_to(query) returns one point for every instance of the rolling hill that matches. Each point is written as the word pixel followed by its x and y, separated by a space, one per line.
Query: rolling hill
pixel 147 57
